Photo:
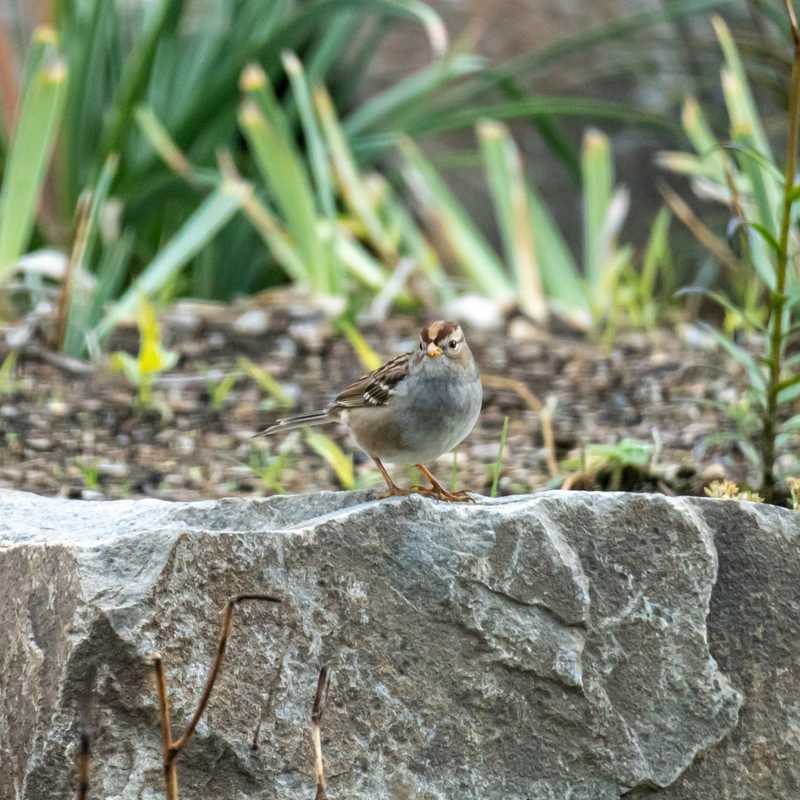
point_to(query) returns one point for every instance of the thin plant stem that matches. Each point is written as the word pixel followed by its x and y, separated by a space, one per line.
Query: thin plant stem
pixel 173 747
pixel 316 731
pixel 779 296
pixel 498 464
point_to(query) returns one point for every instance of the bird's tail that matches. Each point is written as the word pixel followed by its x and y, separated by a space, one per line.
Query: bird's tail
pixel 299 421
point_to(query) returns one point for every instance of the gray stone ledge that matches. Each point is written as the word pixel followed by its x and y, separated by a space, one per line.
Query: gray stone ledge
pixel 558 645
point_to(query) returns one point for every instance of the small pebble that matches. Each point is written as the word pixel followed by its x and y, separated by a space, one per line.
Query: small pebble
pixel 252 323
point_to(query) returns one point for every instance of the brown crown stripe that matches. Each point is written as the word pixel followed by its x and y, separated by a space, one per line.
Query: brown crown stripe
pixel 438 331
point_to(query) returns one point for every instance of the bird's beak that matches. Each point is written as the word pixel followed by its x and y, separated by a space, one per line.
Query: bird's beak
pixel 434 351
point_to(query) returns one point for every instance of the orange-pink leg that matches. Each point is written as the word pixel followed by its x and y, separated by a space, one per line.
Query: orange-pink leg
pixel 438 491
pixel 394 489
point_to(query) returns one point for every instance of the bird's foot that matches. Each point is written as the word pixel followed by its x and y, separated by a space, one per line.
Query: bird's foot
pixel 396 491
pixel 438 492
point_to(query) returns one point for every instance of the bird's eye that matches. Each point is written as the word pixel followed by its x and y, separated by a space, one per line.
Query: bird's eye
pixel 421 345
pixel 453 344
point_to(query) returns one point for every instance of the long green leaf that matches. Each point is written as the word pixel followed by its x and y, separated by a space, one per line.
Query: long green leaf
pixel 214 212
pixel 29 156
pixel 505 175
pixel 536 107
pixel 341 464
pixel 289 184
pixel 597 172
pixel 351 184
pixel 311 13
pixel 409 92
pixel 313 136
pixel 448 218
pixel 562 280
pixel 137 72
pixel 754 374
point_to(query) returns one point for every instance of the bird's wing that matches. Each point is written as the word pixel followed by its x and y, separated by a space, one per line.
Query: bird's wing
pixel 377 387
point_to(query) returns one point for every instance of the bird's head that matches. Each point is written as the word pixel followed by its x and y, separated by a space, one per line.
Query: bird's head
pixel 442 346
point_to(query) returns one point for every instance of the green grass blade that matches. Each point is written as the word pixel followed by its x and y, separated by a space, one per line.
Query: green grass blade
pixel 702 138
pixel 498 462
pixel 409 93
pixel 289 184
pixel 341 464
pixel 86 38
pixel 272 233
pixel 137 72
pixel 355 194
pixel 656 253
pixel 445 214
pixel 741 106
pixel 562 280
pixel 334 40
pixel 110 278
pixel 269 385
pixel 597 170
pixel 311 13
pixel 29 156
pixel 213 213
pixel 79 304
pixel 368 358
pixel 355 258
pixel 425 257
pixel 535 108
pixel 619 27
pixel 506 178
pixel 162 142
pixel 313 136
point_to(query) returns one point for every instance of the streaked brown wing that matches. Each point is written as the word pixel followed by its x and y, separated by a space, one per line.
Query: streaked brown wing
pixel 375 388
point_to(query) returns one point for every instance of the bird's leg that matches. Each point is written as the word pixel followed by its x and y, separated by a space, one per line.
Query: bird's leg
pixel 394 489
pixel 438 491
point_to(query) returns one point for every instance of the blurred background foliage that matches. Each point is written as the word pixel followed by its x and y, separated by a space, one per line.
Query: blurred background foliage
pixel 165 148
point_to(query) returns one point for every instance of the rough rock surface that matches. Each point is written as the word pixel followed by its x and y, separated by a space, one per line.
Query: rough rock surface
pixel 552 646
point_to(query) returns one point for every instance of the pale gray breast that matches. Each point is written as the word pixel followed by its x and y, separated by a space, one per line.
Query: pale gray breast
pixel 439 418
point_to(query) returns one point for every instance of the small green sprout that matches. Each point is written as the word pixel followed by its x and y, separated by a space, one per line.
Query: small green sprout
pixel 498 463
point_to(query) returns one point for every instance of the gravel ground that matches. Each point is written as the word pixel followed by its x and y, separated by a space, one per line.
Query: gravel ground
pixel 81 433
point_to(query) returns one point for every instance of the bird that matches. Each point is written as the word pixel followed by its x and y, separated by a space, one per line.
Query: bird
pixel 412 409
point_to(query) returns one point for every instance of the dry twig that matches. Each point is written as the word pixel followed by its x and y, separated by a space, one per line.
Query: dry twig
pixel 316 731
pixel 84 758
pixel 173 747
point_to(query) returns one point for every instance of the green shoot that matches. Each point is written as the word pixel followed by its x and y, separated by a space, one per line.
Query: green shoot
pixel 268 384
pixel 454 472
pixel 220 393
pixel 498 462
pixel 341 464
pixel 369 359
pixel 269 468
pixel 8 384
pixel 31 147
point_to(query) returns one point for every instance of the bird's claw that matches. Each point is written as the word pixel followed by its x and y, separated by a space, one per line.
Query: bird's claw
pixel 440 493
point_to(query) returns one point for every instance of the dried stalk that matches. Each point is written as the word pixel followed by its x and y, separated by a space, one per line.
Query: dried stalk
pixel 84 758
pixel 75 262
pixel 173 747
pixel 316 731
pixel 534 404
